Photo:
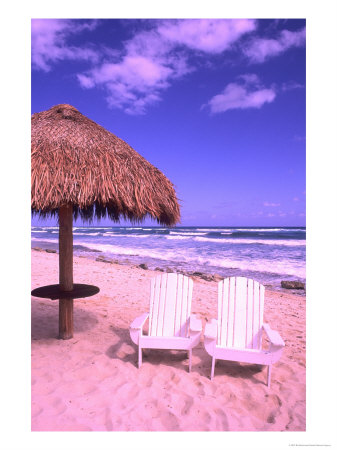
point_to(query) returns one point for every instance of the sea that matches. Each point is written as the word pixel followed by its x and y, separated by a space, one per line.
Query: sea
pixel 266 254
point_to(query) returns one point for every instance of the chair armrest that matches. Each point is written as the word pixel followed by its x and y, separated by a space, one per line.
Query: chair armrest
pixel 273 336
pixel 195 323
pixel 139 321
pixel 211 329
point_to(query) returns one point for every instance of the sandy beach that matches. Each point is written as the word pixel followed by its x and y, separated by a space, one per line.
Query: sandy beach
pixel 92 383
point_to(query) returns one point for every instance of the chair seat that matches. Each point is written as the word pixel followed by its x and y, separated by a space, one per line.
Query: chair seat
pixel 253 356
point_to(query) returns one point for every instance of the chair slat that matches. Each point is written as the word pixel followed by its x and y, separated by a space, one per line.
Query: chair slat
pixel 223 294
pixel 262 291
pixel 249 307
pixel 155 308
pixel 184 307
pixel 170 305
pixel 231 310
pixel 161 305
pixel 256 315
pixel 179 302
pixel 152 295
pixel 240 313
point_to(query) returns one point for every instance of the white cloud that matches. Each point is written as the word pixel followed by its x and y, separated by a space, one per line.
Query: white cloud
pixel 258 50
pixel 248 93
pixel 152 59
pixel 49 38
pixel 269 204
pixel 298 138
pixel 210 36
pixel 136 81
pixel 291 85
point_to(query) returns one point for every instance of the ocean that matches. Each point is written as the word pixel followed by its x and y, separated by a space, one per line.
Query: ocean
pixel 267 254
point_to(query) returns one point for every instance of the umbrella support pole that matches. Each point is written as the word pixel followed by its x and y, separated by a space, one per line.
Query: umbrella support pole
pixel 66 326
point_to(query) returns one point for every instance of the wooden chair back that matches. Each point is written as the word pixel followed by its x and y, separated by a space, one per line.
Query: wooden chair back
pixel 170 305
pixel 240 313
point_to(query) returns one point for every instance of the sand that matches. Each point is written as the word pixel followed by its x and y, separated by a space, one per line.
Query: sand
pixel 92 383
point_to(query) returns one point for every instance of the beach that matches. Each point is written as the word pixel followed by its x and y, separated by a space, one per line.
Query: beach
pixel 92 383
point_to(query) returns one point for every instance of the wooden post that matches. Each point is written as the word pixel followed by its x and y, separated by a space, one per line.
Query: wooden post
pixel 66 325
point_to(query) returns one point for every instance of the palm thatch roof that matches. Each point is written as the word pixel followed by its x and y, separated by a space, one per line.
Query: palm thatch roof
pixel 76 161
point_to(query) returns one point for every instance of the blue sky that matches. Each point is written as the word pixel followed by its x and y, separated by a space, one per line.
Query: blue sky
pixel 217 105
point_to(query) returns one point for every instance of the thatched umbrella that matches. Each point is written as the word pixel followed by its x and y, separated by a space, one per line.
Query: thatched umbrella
pixel 81 169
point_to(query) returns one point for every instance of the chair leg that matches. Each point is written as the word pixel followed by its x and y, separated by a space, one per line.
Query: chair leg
pixel 269 375
pixel 213 366
pixel 139 356
pixel 190 360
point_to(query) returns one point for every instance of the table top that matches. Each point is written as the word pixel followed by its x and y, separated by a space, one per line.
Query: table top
pixel 54 292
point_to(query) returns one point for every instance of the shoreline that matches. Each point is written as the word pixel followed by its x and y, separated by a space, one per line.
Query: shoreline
pixel 92 382
pixel 207 276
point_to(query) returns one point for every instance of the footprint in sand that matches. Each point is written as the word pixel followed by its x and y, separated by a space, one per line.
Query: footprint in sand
pixel 169 421
pixel 35 410
pixel 188 402
pixel 175 378
pixel 55 407
pixel 221 419
pixel 108 422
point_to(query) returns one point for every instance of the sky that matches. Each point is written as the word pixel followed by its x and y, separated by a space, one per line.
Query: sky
pixel 219 106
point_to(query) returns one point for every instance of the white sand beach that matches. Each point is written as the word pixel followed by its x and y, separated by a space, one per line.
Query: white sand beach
pixel 92 383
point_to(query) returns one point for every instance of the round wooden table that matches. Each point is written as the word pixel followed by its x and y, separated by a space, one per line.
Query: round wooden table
pixel 53 292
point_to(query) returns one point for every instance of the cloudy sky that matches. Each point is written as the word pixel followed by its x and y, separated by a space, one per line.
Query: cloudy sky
pixel 217 105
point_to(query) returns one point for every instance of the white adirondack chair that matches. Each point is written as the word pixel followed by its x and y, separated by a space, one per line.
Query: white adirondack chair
pixel 171 324
pixel 237 334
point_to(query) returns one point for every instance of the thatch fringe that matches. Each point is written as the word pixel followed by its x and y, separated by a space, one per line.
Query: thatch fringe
pixel 74 160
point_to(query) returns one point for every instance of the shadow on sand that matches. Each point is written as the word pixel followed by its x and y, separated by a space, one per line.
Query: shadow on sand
pixel 178 359
pixel 45 319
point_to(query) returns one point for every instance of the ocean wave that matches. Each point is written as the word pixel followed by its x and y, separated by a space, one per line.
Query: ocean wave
pixel 281 267
pixel 257 230
pixel 214 230
pixel 178 237
pixel 115 249
pixel 39 231
pixel 260 229
pixel 87 234
pixel 261 265
pixel 187 233
pixel 254 230
pixel 88 229
pixel 283 242
pixel 44 240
